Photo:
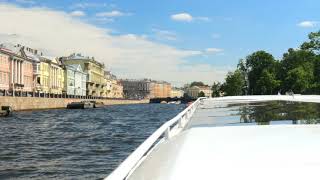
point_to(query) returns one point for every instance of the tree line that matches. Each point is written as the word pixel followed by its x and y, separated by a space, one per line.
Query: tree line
pixel 298 71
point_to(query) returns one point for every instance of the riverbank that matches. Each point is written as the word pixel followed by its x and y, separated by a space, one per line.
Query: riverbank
pixel 35 103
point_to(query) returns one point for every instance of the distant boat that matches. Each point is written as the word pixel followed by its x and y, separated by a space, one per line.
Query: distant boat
pixel 98 104
pixel 163 102
pixel 5 111
pixel 172 102
pixel 81 105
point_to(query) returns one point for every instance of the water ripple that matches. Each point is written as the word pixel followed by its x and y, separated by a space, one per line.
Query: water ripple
pixel 75 144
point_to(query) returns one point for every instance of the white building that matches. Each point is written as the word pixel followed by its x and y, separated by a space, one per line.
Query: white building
pixel 195 90
pixel 75 80
pixel 176 93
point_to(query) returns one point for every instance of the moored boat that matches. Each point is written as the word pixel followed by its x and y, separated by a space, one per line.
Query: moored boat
pixel 98 104
pixel 5 111
pixel 81 105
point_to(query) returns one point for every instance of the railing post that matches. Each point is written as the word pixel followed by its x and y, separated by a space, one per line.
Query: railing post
pixel 167 133
pixel 180 122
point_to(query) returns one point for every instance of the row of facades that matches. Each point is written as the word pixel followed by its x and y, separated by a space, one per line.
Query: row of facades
pixel 195 90
pixel 147 88
pixel 26 69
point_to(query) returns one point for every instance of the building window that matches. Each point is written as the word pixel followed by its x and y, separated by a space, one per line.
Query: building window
pixel 38 80
pixel 38 67
pixel 71 82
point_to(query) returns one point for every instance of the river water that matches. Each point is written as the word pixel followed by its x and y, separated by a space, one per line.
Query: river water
pixel 90 143
pixel 76 144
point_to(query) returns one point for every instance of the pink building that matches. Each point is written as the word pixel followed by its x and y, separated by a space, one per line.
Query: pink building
pixel 16 71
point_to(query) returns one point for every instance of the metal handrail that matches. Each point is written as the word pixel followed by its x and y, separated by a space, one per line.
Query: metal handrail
pixel 124 169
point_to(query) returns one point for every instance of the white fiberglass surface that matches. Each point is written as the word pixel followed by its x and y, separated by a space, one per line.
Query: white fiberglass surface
pixel 236 152
pixel 241 139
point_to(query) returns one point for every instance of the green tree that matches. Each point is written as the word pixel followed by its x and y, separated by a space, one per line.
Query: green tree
pixel 295 58
pixel 234 84
pixel 299 79
pixel 313 44
pixel 267 83
pixel 197 83
pixel 216 89
pixel 253 67
pixel 316 74
pixel 296 65
pixel 201 94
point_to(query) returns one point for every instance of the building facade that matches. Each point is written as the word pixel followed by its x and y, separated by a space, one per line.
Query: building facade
pixel 146 88
pixel 112 88
pixel 75 80
pixel 195 90
pixel 107 84
pixel 48 74
pixel 160 89
pixel 16 71
pixel 95 73
pixel 117 89
pixel 176 93
pixel 136 89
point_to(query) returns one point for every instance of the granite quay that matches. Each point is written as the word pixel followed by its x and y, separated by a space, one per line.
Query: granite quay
pixel 33 101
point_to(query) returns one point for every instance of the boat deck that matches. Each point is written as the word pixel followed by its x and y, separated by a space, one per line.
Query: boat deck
pixel 215 144
pixel 239 152
pixel 212 113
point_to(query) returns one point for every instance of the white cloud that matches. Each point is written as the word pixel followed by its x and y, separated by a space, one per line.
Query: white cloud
pixel 84 5
pixel 186 17
pixel 30 2
pixel 308 24
pixel 215 36
pixel 128 56
pixel 164 34
pixel 103 20
pixel 182 17
pixel 77 13
pixel 111 14
pixel 213 50
pixel 205 19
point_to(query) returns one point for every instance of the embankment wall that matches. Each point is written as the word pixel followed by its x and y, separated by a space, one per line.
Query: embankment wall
pixel 32 103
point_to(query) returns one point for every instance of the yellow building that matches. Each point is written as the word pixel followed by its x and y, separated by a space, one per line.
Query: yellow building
pixel 95 70
pixel 117 89
pixel 195 90
pixel 160 89
pixel 176 93
pixel 47 71
pixel 112 87
pixel 49 76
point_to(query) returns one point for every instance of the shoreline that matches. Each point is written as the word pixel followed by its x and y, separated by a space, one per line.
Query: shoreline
pixel 35 103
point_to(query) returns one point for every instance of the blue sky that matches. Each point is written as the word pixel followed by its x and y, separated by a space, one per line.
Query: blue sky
pixel 224 30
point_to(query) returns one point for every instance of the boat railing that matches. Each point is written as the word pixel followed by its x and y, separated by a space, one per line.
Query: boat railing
pixel 166 131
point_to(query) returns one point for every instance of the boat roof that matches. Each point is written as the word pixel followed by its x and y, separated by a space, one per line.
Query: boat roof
pixel 200 147
pixel 207 149
pixel 235 152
